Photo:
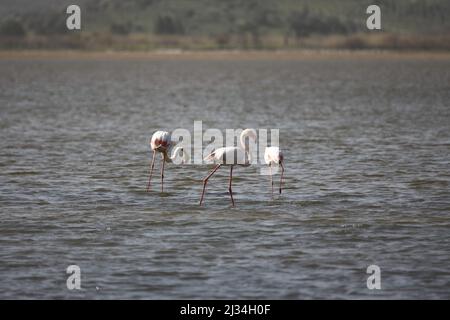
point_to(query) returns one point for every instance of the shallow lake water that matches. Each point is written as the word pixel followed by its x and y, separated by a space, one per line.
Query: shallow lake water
pixel 366 145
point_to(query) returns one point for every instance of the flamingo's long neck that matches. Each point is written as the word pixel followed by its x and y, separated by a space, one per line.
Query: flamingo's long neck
pixel 173 156
pixel 242 140
pixel 244 134
pixel 167 158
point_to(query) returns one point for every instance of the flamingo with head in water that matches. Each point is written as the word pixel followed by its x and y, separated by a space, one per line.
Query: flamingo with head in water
pixel 230 156
pixel 161 142
pixel 273 155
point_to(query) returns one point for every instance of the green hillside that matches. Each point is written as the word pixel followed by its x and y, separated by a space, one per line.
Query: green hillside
pixel 227 23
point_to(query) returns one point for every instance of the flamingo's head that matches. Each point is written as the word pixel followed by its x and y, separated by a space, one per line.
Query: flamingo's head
pixel 251 133
pixel 159 145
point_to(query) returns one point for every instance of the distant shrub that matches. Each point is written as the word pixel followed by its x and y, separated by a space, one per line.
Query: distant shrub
pixel 125 28
pixel 12 28
pixel 355 42
pixel 121 29
pixel 50 24
pixel 304 23
pixel 222 40
pixel 168 25
pixel 144 3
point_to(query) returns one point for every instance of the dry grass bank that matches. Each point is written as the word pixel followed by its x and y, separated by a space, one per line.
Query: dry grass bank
pixel 146 42
pixel 310 54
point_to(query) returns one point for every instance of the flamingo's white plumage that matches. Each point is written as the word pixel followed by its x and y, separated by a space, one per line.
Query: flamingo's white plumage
pixel 230 156
pixel 161 142
pixel 273 156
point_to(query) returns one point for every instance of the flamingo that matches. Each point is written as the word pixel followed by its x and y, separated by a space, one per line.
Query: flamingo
pixel 273 155
pixel 230 156
pixel 161 142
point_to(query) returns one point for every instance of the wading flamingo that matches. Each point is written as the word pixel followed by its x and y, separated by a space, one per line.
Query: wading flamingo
pixel 273 155
pixel 230 156
pixel 161 142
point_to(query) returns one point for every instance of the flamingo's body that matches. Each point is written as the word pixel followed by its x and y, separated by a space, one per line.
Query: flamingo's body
pixel 230 156
pixel 161 142
pixel 273 156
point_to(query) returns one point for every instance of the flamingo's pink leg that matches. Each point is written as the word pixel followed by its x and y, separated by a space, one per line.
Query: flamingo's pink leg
pixel 281 178
pixel 206 180
pixel 162 174
pixel 271 178
pixel 152 165
pixel 229 186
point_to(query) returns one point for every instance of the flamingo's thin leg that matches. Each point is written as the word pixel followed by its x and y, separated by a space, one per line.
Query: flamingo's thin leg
pixel 271 178
pixel 206 180
pixel 162 173
pixel 281 178
pixel 229 186
pixel 152 165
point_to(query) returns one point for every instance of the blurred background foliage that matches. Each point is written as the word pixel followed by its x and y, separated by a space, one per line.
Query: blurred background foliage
pixel 225 24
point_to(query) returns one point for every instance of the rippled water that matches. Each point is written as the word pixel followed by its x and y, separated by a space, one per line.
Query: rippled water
pixel 366 146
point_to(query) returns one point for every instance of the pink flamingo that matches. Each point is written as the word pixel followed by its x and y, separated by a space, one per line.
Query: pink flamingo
pixel 230 156
pixel 273 155
pixel 161 142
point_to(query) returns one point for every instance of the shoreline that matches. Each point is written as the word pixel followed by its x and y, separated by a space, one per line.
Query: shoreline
pixel 175 54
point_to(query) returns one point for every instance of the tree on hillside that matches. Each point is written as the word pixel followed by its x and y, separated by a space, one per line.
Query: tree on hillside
pixel 12 28
pixel 304 23
pixel 168 25
pixel 50 24
pixel 121 29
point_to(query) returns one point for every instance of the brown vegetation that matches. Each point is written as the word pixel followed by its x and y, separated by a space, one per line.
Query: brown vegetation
pixel 138 42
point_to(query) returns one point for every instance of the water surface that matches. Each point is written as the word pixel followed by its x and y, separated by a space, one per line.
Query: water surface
pixel 366 146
